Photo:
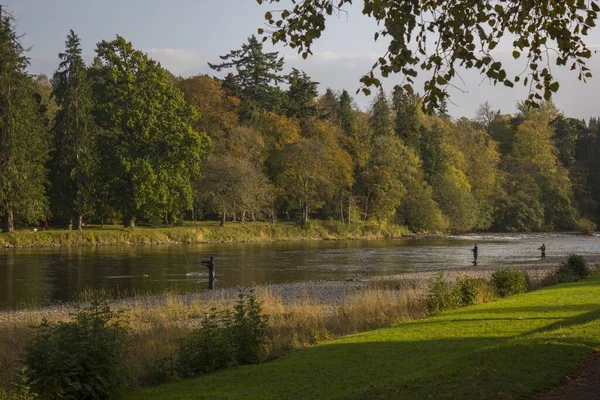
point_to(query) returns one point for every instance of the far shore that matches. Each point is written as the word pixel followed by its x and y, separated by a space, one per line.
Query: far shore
pixel 209 232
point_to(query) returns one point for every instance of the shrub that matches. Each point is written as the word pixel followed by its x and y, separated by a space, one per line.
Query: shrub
pixel 438 296
pixel 79 359
pixel 225 339
pixel 209 347
pixel 465 292
pixel 249 329
pixel 586 226
pixel 510 281
pixel 23 393
pixel 577 265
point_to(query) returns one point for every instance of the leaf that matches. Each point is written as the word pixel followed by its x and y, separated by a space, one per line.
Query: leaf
pixel 268 15
pixel 516 54
pixel 554 87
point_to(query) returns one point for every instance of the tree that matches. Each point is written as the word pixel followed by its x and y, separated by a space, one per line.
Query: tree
pixel 310 175
pixel 485 115
pixel 257 72
pixel 217 109
pixel 329 106
pixel 232 184
pixel 73 163
pixel 381 116
pixel 301 95
pixel 380 185
pixel 23 132
pixel 465 33
pixel 407 123
pixel 151 152
pixel 346 113
pixel 44 88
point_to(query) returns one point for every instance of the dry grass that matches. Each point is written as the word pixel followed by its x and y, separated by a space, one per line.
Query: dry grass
pixel 158 326
pixel 159 323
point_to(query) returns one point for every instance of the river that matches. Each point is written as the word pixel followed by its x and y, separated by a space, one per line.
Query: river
pixel 33 277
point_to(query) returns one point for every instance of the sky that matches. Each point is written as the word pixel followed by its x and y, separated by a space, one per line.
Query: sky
pixel 186 34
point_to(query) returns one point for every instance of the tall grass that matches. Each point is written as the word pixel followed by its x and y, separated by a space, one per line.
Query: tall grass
pixel 201 233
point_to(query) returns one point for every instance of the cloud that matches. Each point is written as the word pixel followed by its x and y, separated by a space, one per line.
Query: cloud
pixel 183 62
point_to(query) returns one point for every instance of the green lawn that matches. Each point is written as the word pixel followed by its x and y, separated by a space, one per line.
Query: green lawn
pixel 508 349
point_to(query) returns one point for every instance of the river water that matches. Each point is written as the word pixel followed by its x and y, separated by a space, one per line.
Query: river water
pixel 32 277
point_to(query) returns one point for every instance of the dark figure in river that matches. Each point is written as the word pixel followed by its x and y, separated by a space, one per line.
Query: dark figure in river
pixel 210 264
pixel 474 250
pixel 543 250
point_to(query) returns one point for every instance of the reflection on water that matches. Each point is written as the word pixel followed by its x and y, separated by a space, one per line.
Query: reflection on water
pixel 39 276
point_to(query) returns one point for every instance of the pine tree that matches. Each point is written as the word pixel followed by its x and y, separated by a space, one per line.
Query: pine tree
pixel 346 113
pixel 257 72
pixel 73 163
pixel 381 116
pixel 23 130
pixel 407 124
pixel 301 95
pixel 329 106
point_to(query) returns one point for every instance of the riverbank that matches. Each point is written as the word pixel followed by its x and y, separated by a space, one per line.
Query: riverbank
pixel 300 315
pixel 511 348
pixel 202 232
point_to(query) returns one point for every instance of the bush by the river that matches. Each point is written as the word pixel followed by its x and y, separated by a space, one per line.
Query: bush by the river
pixel 509 281
pixel 79 359
pixel 443 295
pixel 226 338
pixel 572 270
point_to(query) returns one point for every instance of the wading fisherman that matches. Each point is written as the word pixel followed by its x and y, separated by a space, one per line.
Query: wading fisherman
pixel 543 250
pixel 210 264
pixel 474 250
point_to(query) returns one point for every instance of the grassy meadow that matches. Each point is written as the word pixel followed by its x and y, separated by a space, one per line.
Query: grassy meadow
pixel 509 349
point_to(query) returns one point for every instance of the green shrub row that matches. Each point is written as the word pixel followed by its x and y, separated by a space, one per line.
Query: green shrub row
pixel 84 358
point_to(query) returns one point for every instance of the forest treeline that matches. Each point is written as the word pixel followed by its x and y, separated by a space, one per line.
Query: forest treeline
pixel 124 140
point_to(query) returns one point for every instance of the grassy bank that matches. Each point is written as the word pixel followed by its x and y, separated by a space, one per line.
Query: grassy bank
pixel 297 319
pixel 512 348
pixel 204 232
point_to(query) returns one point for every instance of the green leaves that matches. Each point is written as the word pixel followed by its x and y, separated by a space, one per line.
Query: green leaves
pixel 152 151
pixel 463 34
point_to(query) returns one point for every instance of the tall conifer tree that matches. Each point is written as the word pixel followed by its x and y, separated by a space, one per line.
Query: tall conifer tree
pixel 23 130
pixel 73 163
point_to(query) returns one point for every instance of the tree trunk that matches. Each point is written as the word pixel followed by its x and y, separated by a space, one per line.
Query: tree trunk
pixel 304 214
pixel 80 222
pixel 8 222
pixel 243 216
pixel 129 222
pixel 349 208
pixel 223 217
pixel 342 210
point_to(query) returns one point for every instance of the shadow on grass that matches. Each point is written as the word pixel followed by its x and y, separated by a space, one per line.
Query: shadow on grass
pixel 404 363
pixel 475 368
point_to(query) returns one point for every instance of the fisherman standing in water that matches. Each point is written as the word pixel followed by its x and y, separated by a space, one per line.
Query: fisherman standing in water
pixel 543 250
pixel 474 250
pixel 210 264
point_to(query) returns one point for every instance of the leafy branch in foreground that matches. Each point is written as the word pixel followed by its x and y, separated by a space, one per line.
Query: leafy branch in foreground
pixel 440 37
